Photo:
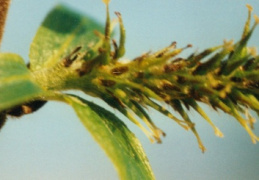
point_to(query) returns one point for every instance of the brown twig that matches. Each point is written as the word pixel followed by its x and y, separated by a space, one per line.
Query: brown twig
pixel 4 5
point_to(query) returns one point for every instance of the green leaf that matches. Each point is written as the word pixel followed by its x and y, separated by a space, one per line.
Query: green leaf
pixel 16 85
pixel 119 143
pixel 61 32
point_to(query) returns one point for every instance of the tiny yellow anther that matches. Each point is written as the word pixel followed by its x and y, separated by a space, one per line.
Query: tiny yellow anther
pixel 249 7
pixel 252 51
pixel 256 19
pixel 228 45
pixel 218 133
pixel 106 1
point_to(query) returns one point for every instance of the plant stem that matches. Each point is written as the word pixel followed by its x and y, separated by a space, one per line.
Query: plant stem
pixel 4 6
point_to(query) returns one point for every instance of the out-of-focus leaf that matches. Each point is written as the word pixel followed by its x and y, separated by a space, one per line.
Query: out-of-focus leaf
pixel 120 144
pixel 61 32
pixel 16 85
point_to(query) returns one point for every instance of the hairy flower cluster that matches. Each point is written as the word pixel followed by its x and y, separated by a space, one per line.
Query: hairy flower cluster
pixel 224 77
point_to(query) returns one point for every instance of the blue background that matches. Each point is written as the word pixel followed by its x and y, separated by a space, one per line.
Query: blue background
pixel 52 144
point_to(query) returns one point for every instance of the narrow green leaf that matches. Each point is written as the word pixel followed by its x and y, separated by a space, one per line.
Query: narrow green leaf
pixel 121 146
pixel 16 85
pixel 61 32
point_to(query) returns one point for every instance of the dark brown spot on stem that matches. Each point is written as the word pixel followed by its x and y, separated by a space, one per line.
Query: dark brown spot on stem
pixel 167 86
pixel 140 75
pixel 108 83
pixel 119 70
pixel 68 60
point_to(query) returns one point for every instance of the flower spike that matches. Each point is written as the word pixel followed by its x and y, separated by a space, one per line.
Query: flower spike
pixel 224 77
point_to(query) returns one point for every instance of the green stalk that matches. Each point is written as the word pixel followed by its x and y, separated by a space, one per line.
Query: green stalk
pixel 4 6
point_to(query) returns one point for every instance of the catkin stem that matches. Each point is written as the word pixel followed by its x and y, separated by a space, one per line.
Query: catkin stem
pixel 4 5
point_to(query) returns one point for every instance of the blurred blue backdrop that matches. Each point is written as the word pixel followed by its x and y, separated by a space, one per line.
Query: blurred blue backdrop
pixel 52 144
